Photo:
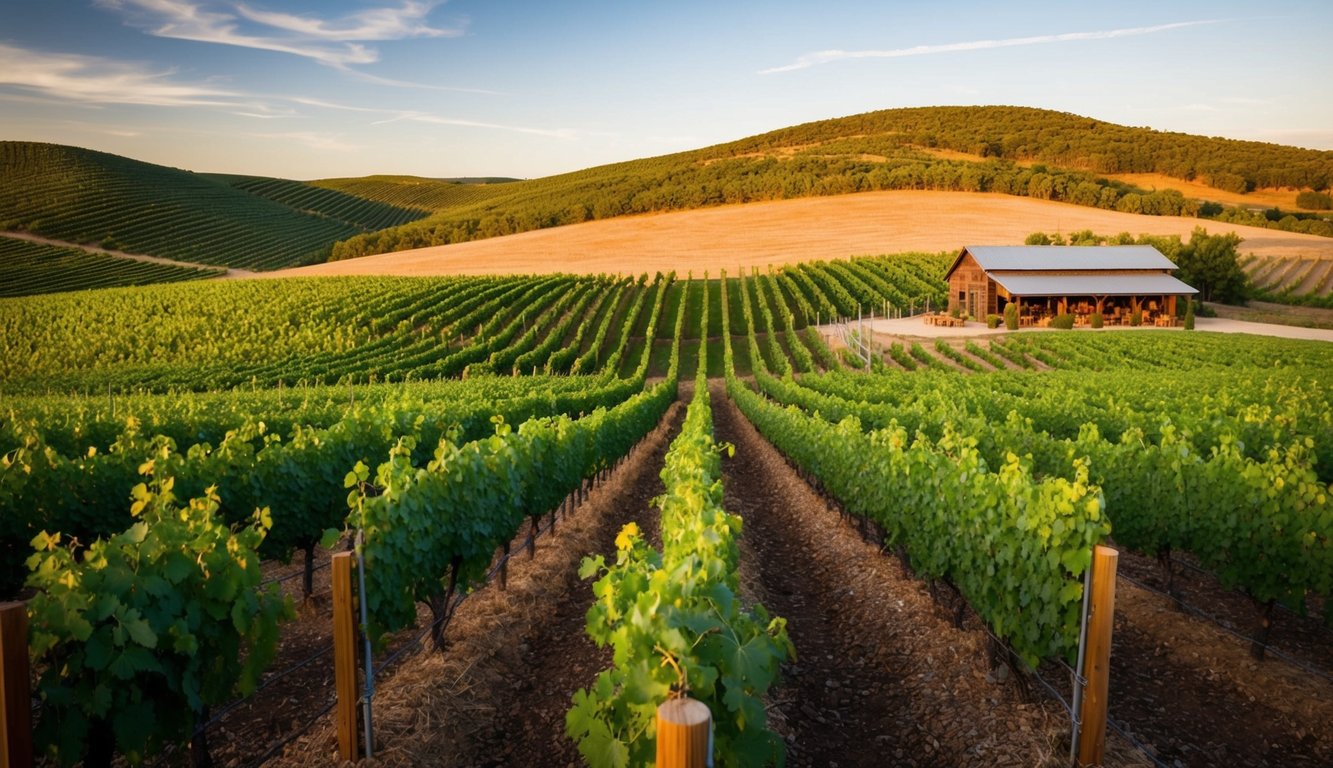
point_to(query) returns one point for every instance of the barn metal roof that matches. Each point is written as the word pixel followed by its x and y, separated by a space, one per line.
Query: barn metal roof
pixel 1047 258
pixel 1144 284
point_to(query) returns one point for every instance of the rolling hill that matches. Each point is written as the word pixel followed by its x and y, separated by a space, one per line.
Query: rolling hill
pixel 82 196
pixel 787 231
pixel 258 223
pixel 1017 151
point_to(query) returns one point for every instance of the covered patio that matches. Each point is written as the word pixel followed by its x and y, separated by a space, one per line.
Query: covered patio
pixel 1117 297
pixel 1119 282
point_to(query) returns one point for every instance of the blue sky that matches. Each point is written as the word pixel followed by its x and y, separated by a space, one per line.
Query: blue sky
pixel 307 89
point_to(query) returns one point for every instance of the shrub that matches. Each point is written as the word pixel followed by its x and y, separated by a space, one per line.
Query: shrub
pixel 1096 320
pixel 1136 317
pixel 1189 314
pixel 1315 201
pixel 1011 316
pixel 992 321
pixel 1064 322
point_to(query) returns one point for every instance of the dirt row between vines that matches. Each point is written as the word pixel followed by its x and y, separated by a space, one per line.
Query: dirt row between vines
pixel 882 677
pixel 1190 689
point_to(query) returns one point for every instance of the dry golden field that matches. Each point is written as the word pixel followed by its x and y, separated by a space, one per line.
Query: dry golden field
pixel 759 234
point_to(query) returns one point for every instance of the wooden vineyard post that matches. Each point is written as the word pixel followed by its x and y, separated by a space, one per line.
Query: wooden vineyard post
pixel 344 656
pixel 684 734
pixel 1097 662
pixel 15 688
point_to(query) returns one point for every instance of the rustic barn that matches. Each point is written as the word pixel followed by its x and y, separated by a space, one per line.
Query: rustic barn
pixel 1046 280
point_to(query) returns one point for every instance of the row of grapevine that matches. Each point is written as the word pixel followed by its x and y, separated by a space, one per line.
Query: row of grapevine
pixel 1014 546
pixel 82 494
pixel 412 192
pixel 359 212
pixel 676 622
pixel 28 268
pixel 1260 519
pixel 438 523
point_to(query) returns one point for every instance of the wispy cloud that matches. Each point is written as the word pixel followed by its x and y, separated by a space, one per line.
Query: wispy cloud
pixel 31 75
pixel 418 117
pixel 377 80
pixel 405 21
pixel 337 43
pixel 97 80
pixel 824 57
pixel 327 142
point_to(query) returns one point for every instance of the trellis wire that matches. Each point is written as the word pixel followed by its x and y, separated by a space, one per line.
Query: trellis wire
pixel 289 738
pixel 1134 742
pixel 294 574
pixel 1206 572
pixel 1226 627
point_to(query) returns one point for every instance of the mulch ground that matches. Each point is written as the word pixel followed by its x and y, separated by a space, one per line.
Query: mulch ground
pixel 1190 690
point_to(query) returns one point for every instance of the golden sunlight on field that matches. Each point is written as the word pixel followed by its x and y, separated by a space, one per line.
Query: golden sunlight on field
pixel 786 231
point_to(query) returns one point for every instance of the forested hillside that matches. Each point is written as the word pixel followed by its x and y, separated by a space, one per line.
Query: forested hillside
pixel 1009 150
pixel 259 223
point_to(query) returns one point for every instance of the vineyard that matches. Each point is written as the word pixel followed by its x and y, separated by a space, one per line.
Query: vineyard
pixel 411 192
pixel 1307 282
pixel 27 269
pixel 826 556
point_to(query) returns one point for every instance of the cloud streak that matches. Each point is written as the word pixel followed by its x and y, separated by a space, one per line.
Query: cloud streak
pixel 419 117
pixel 96 80
pixel 373 24
pixel 337 43
pixel 825 57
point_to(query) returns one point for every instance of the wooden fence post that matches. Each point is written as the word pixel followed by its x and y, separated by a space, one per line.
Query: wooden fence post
pixel 15 688
pixel 344 655
pixel 1097 662
pixel 684 734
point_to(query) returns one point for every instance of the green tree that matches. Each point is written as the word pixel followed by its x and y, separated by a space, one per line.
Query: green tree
pixel 1315 201
pixel 1210 263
